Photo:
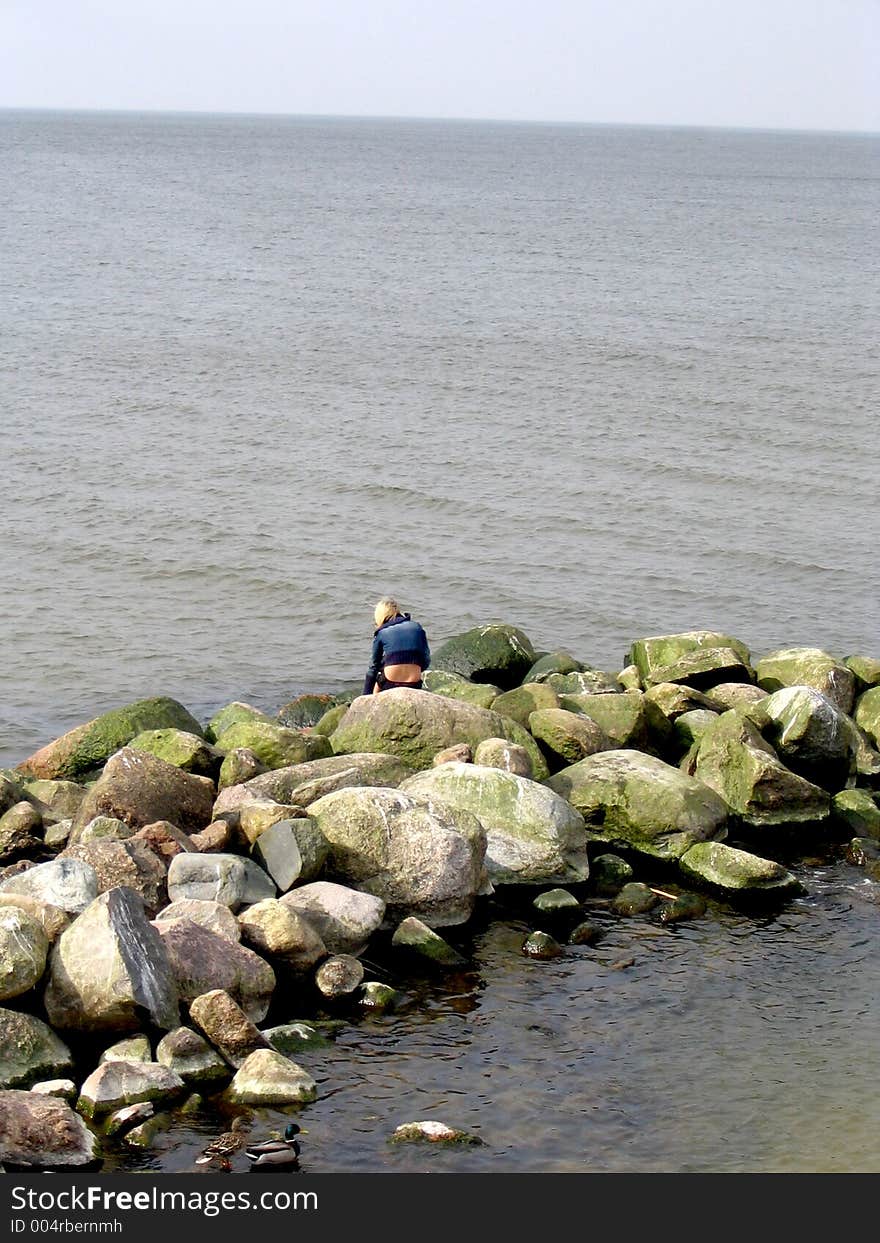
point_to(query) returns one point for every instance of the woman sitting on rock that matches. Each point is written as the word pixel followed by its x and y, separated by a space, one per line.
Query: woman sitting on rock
pixel 400 650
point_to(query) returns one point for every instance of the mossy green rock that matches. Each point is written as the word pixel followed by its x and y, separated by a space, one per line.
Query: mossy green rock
pixel 542 946
pixel 584 682
pixel 267 1078
pixel 628 718
pixel 454 686
pixel 697 657
pixel 810 734
pixel 62 798
pixel 87 747
pixel 867 714
pixel 187 751
pixel 554 900
pixel 736 762
pixel 532 834
pixel 234 714
pixel 330 719
pixel 674 699
pixel 685 906
pixel 559 661
pixel 497 653
pixel 415 725
pixel 808 666
pixel 522 701
pixel 857 810
pixel 274 745
pixel 567 737
pixel 417 938
pixel 609 873
pixel 584 934
pixel 866 670
pixel 238 766
pixel 303 784
pixel 636 801
pixel 690 727
pixel 732 871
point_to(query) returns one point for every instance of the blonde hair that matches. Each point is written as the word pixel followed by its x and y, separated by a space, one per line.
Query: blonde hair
pixel 385 610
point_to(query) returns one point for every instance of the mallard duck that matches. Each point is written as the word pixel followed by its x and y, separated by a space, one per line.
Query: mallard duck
pixel 276 1152
pixel 221 1149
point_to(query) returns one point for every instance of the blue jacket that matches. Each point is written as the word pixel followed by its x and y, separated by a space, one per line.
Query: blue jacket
pixel 399 641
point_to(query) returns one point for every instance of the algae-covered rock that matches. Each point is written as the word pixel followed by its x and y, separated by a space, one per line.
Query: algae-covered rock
pixel 415 725
pixel 274 745
pixel 737 872
pixel 728 695
pixel 609 873
pixel 42 1132
pixel 497 653
pixel 29 1050
pixel 237 767
pixel 131 1049
pixel 867 714
pixel 109 970
pixel 268 1078
pixel 522 701
pixel 302 784
pixel 736 762
pixel 234 714
pixel 189 1056
pixel 178 747
pixel 626 719
pixel 857 810
pixel 690 727
pixel 808 666
pixel 584 682
pixel 56 800
pixel 454 686
pixel 20 833
pixel 417 939
pixel 699 658
pixel 101 828
pixel 558 661
pixel 331 718
pixel 634 899
pixel 140 788
pixel 684 906
pixel 566 737
pixel 87 747
pixel 542 946
pixel 636 801
pixel 552 901
pixel 432 1132
pixel 259 814
pixel 419 859
pixel 866 671
pixel 674 699
pixel 378 997
pixel 532 834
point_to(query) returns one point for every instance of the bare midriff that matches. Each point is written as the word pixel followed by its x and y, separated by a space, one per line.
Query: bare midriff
pixel 403 673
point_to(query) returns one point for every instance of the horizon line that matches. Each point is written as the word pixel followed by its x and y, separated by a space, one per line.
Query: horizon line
pixel 472 120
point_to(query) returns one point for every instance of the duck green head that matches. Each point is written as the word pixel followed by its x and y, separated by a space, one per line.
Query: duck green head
pixel 291 1130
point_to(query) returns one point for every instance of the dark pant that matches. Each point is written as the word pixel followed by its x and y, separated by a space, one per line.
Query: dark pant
pixel 385 684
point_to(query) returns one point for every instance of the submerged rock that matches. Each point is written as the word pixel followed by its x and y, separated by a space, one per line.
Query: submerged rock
pixel 634 899
pixel 685 906
pixel 554 900
pixel 542 946
pixel 609 873
pixel 433 1133
pixel 420 940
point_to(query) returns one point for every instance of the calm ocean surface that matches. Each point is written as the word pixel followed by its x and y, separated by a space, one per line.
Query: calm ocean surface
pixel 598 382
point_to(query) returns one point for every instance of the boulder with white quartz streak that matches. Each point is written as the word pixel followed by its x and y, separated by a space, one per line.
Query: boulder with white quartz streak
pixel 68 884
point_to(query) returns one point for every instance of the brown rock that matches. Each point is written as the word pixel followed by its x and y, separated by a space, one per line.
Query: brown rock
pixel 124 863
pixel 139 789
pixel 201 962
pixel 42 1132
pixel 226 1026
pixel 164 839
pixel 461 752
pixel 212 840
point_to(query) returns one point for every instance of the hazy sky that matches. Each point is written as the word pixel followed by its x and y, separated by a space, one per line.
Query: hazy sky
pixel 811 64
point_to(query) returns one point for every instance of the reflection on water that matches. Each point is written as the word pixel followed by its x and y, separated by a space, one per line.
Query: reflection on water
pixel 736 1042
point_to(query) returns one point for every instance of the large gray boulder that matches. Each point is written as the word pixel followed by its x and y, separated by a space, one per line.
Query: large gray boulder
pixel 225 878
pixel 118 1083
pixel 733 872
pixel 30 1051
pixel 68 884
pixel 497 653
pixel 42 1132
pixel 201 961
pixel 344 918
pixel 109 970
pixel 735 761
pixel 808 666
pixel 636 801
pixel 532 834
pixel 23 949
pixel 419 859
pixel 140 789
pixel 416 725
pixel 810 735
pixel 291 851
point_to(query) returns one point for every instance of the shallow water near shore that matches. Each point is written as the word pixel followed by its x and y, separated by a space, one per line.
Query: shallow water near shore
pixel 737 1042
pixel 597 382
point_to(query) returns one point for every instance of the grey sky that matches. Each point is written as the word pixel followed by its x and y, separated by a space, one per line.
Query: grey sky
pixel 811 64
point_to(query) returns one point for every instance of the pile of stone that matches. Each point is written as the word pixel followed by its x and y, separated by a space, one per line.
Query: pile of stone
pixel 162 882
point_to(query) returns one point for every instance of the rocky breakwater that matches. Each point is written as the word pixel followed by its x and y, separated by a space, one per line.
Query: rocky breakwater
pixel 175 897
